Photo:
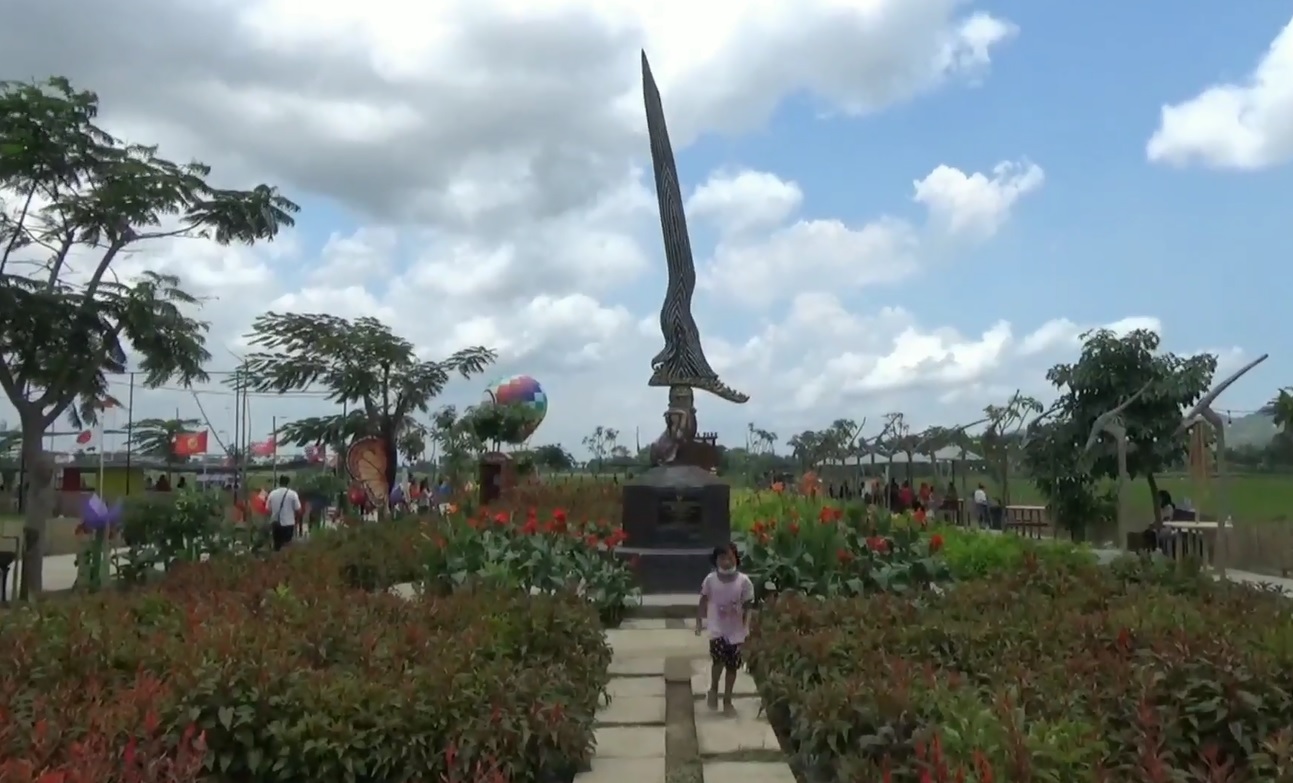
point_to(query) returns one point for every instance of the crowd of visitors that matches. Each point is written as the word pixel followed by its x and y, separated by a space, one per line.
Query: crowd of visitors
pixel 923 499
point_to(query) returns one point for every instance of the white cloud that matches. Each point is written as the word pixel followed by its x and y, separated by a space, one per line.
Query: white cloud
pixel 974 206
pixel 1243 126
pixel 1061 333
pixel 745 200
pixel 807 254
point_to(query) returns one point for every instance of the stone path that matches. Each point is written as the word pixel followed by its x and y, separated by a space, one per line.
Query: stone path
pixel 657 728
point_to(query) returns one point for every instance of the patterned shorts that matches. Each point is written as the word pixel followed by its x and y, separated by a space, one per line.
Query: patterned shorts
pixel 723 652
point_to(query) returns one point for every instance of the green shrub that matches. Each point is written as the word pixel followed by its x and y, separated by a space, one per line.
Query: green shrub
pixel 1056 671
pixel 971 554
pixel 283 674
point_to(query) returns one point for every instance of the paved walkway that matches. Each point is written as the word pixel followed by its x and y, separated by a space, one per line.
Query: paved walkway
pixel 657 723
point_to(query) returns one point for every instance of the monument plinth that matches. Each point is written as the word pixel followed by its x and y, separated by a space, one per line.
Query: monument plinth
pixel 679 510
pixel 674 516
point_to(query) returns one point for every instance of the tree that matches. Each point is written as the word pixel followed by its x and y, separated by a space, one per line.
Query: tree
pixel 810 448
pixel 493 425
pixel 79 193
pixel 1002 440
pixel 1280 409
pixel 600 442
pixel 156 438
pixel 554 457
pixel 1109 371
pixel 364 366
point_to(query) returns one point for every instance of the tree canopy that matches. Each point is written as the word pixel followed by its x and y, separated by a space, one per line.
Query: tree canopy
pixel 376 375
pixel 1109 370
pixel 156 437
pixel 74 200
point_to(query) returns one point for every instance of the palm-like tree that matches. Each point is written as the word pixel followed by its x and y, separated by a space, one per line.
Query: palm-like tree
pixel 156 438
pixel 1280 409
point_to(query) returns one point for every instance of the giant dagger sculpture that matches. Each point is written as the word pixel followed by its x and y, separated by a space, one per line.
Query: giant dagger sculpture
pixel 681 364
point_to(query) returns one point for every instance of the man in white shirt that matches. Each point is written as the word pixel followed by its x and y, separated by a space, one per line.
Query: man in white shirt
pixel 981 506
pixel 284 506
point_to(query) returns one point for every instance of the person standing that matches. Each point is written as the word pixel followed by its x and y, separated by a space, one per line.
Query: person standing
pixel 726 596
pixel 284 508
pixel 981 506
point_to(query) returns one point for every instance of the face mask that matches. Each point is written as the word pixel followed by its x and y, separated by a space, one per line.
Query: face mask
pixel 727 571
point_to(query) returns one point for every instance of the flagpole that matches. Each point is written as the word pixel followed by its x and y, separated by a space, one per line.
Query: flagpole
pixel 130 427
pixel 103 414
pixel 273 437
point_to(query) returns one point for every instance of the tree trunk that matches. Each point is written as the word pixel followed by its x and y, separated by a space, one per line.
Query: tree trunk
pixel 1153 494
pixel 39 500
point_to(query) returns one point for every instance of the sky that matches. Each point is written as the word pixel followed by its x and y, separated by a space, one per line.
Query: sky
pixel 895 205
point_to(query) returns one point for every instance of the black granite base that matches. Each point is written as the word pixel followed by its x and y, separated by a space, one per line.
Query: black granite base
pixel 662 571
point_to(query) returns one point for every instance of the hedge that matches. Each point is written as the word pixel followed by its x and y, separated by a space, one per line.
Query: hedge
pixel 1046 673
pixel 273 669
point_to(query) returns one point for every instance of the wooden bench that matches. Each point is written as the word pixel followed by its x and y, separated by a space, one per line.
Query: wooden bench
pixel 1027 521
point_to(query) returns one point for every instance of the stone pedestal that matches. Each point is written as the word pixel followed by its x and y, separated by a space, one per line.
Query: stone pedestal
pixel 674 516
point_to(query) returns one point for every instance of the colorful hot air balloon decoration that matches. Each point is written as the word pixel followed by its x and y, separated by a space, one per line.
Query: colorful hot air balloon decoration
pixel 520 390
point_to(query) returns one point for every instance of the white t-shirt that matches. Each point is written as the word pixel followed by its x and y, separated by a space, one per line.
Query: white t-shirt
pixel 283 504
pixel 727 602
pixel 980 497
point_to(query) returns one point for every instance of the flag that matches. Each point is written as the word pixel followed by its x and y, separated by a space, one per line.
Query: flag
pixel 187 444
pixel 265 448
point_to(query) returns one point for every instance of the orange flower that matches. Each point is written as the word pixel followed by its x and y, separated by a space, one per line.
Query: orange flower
pixel 829 514
pixel 778 487
pixel 794 528
pixel 935 543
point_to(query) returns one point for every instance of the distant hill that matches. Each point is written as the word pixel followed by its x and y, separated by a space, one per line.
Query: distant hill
pixel 1255 430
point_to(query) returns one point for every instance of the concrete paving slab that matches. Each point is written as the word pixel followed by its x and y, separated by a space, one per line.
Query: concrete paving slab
pixel 606 770
pixel 718 733
pixel 744 687
pixel 673 600
pixel 626 687
pixel 666 643
pixel 637 667
pixel 633 709
pixel 630 742
pixel 748 772
pixel 644 624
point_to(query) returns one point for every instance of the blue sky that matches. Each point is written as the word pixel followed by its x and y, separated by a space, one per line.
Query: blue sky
pixel 1079 92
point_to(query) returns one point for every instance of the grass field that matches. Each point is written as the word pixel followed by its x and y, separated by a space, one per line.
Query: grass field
pixel 1252 498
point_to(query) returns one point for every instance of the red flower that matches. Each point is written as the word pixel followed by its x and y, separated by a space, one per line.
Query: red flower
pixel 844 556
pixel 794 528
pixel 592 541
pixel 935 543
pixel 829 514
pixel 559 515
pixel 530 527
pixel 877 544
pixel 501 518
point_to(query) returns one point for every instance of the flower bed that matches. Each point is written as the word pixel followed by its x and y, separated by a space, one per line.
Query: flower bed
pixel 1076 673
pixel 242 669
pixel 819 548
